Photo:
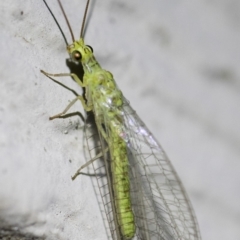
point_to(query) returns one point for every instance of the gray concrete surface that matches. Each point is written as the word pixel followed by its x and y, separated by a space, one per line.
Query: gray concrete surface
pixel 178 64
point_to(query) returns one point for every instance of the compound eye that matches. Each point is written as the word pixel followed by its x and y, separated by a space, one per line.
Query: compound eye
pixel 76 55
pixel 90 48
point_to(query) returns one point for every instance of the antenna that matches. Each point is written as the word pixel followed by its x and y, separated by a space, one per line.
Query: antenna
pixel 66 19
pixel 64 37
pixel 84 19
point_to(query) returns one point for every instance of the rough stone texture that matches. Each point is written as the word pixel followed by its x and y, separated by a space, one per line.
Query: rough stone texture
pixel 178 64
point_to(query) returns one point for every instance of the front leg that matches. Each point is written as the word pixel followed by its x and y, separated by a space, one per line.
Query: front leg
pixel 73 75
pixel 85 106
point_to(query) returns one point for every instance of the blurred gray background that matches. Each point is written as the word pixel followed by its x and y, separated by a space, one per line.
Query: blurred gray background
pixel 178 64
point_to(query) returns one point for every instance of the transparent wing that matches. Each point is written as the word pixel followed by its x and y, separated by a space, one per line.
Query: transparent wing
pixel 161 207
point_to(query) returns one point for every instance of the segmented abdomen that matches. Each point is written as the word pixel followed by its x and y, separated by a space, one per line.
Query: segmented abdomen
pixel 121 184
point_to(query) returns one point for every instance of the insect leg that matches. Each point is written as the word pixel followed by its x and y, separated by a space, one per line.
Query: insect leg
pixel 86 108
pixel 89 162
pixel 73 75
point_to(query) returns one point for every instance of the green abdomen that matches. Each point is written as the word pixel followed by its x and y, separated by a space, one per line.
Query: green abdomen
pixel 121 185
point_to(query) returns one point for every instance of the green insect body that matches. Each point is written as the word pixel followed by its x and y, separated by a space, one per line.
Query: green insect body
pixel 121 184
pixel 148 200
pixel 105 100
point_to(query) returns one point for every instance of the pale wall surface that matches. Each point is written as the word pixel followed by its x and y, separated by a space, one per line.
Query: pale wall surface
pixel 178 64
